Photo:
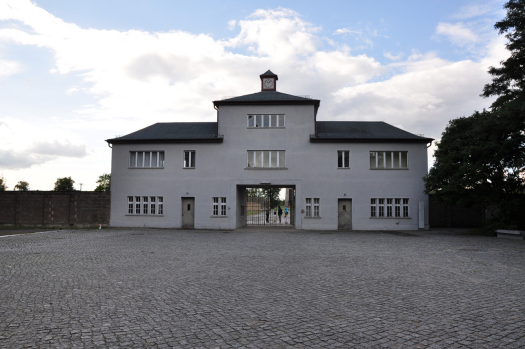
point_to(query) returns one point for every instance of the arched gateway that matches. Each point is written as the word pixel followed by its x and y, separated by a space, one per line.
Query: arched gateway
pixel 335 174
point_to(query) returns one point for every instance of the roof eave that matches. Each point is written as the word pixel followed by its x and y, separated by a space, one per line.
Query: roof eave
pixel 218 139
pixel 316 139
pixel 314 102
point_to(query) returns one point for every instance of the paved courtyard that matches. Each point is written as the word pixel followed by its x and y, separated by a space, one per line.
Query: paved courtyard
pixel 157 288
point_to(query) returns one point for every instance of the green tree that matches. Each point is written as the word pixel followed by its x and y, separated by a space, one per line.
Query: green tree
pixel 22 186
pixel 104 182
pixel 271 193
pixel 509 80
pixel 481 158
pixel 3 185
pixel 64 184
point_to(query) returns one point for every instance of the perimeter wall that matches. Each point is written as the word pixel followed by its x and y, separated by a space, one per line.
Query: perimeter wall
pixel 50 208
pixel 84 208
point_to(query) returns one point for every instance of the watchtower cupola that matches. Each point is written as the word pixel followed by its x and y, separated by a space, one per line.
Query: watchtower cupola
pixel 268 81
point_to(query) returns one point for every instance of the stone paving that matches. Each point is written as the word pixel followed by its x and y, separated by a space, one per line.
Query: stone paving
pixel 154 288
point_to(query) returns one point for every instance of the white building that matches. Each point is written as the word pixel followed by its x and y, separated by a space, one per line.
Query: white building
pixel 343 174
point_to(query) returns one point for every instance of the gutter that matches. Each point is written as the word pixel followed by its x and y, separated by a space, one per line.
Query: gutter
pixel 218 139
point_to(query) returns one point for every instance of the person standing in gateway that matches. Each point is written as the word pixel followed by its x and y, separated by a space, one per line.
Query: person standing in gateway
pixel 280 213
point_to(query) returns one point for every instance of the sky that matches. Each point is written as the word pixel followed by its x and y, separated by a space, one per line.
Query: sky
pixel 74 73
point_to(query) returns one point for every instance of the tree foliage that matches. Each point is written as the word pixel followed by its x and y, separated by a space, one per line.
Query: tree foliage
pixel 509 80
pixel 272 193
pixel 64 184
pixel 481 158
pixel 22 186
pixel 3 185
pixel 104 182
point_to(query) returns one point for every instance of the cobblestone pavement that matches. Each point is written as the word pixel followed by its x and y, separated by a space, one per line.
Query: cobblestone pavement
pixel 260 289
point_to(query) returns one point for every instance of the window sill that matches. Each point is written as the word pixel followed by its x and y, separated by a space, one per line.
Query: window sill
pixel 343 168
pixel 389 169
pixel 145 215
pixel 146 168
pixel 312 217
pixel 265 168
pixel 265 128
pixel 188 168
pixel 218 216
pixel 390 217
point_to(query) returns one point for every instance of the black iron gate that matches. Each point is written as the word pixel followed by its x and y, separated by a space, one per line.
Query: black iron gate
pixel 262 209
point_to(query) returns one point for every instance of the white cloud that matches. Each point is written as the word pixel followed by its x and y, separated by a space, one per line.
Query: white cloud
pixel 470 11
pixel 24 145
pixel 9 67
pixel 56 148
pixel 347 31
pixel 137 78
pixel 232 24
pixel 392 56
pixel 457 33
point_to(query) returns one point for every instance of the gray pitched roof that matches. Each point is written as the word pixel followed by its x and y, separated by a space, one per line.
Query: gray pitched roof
pixel 266 96
pixel 268 72
pixel 362 131
pixel 172 132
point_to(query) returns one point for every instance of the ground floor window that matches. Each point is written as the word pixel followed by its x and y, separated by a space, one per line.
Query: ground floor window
pixel 316 211
pixel 385 207
pixel 145 205
pixel 219 206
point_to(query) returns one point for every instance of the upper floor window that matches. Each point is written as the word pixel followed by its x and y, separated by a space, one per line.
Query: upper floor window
pixel 266 120
pixel 343 159
pixel 388 159
pixel 189 159
pixel 146 159
pixel 266 158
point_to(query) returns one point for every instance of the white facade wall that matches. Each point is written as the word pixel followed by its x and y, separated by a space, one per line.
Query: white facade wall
pixel 310 167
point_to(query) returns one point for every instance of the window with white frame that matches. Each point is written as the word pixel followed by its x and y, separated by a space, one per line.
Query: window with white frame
pixel 160 209
pixel 266 158
pixel 145 205
pixel 219 206
pixel 389 207
pixel 223 206
pixel 343 159
pixel 316 208
pixel 146 159
pixel 380 207
pixel 308 207
pixel 312 210
pixel 189 159
pixel 265 121
pixel 388 159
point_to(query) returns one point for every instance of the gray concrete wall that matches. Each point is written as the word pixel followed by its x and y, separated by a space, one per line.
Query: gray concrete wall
pixel 310 167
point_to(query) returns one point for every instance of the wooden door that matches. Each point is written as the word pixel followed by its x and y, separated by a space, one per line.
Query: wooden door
pixel 345 214
pixel 188 212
